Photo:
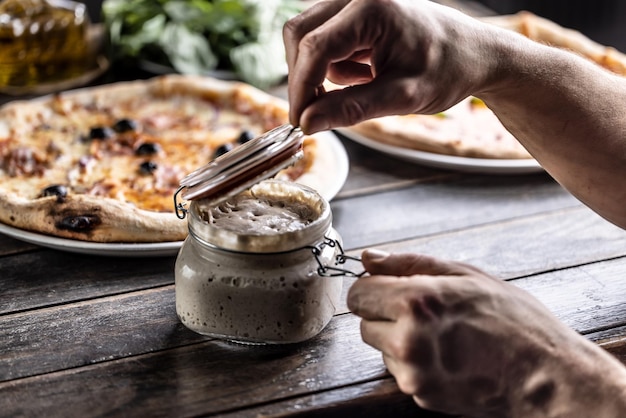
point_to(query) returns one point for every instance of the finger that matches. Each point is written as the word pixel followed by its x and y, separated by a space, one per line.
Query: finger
pixel 374 298
pixel 408 264
pixel 408 354
pixel 422 298
pixel 386 94
pixel 293 32
pixel 348 73
pixel 405 376
pixel 413 371
pixel 335 40
pixel 375 333
pixel 298 26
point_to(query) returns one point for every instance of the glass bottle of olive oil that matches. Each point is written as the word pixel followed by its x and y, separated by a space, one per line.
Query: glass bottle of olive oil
pixel 42 41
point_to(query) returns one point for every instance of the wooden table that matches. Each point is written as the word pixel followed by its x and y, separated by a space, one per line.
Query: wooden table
pixel 86 335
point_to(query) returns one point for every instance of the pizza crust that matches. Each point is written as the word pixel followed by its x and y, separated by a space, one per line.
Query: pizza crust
pixel 451 133
pixel 550 33
pixel 88 218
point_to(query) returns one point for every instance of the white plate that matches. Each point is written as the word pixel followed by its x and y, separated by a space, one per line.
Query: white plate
pixel 451 162
pixel 95 248
pixel 328 186
pixel 334 165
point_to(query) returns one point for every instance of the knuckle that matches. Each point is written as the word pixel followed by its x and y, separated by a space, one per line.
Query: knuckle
pixel 406 92
pixel 353 302
pixel 311 42
pixel 428 400
pixel 292 27
pixel 409 382
pixel 421 306
pixel 353 111
pixel 401 348
pixel 403 92
pixel 407 385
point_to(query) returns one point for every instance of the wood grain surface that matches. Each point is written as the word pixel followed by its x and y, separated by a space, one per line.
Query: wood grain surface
pixel 84 335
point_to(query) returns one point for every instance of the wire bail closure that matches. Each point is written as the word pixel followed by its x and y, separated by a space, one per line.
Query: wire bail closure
pixel 341 258
pixel 179 207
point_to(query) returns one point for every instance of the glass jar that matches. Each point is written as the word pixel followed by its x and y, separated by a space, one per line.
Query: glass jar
pixel 43 41
pixel 252 268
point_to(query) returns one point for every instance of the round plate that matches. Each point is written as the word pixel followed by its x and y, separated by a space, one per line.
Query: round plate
pixel 331 154
pixel 94 248
pixel 332 166
pixel 101 65
pixel 451 162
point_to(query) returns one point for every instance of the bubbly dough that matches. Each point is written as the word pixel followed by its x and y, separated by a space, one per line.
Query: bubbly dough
pixel 248 214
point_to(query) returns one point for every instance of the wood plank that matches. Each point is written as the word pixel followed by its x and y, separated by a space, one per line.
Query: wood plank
pixel 593 299
pixel 136 323
pixel 205 378
pixel 612 339
pixel 47 277
pixel 432 208
pixel 102 331
pixel 372 171
pixel 380 398
pixel 216 377
pixel 77 334
pixel 10 246
pixel 525 246
pixel 589 238
pixel 530 246
pixel 533 247
pixel 612 336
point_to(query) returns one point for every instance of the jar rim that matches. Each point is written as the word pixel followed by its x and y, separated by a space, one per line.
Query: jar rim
pixel 265 242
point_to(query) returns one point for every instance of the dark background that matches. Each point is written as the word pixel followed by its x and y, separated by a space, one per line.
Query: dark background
pixel 601 20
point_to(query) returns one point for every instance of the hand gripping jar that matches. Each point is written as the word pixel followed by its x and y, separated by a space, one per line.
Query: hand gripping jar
pixel 254 268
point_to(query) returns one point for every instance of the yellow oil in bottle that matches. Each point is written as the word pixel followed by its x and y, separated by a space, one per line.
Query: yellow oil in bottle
pixel 42 41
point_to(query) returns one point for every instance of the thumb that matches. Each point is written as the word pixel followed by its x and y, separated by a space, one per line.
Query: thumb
pixel 407 264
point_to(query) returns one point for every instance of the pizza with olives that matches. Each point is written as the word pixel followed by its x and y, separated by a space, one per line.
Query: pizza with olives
pixel 102 164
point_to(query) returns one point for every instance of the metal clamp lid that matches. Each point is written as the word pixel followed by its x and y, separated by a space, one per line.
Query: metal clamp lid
pixel 340 258
pixel 241 168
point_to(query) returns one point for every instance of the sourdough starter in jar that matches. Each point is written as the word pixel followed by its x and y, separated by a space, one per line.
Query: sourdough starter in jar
pixel 247 273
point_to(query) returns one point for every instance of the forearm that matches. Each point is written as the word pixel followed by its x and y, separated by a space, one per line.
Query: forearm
pixel 570 115
pixel 578 379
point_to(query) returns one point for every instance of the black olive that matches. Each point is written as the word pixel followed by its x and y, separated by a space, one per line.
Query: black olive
pixel 147 148
pixel 245 137
pixel 79 223
pixel 147 167
pixel 100 132
pixel 57 190
pixel 124 125
pixel 223 149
